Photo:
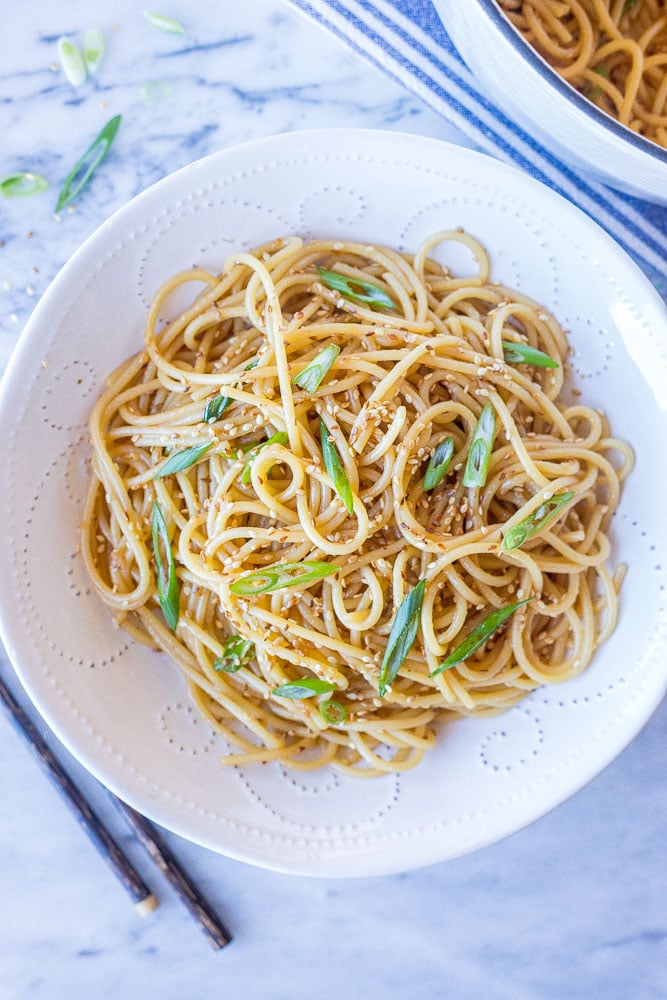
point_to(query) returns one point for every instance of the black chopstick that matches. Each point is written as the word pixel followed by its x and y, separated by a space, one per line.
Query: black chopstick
pixel 217 936
pixel 144 900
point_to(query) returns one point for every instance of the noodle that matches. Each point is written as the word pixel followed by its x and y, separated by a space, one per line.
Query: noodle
pixel 339 481
pixel 613 51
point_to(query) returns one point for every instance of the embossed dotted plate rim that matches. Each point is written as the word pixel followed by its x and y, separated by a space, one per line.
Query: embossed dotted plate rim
pixel 128 721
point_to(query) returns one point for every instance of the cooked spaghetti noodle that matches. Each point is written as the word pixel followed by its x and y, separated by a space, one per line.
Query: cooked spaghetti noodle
pixel 273 468
pixel 613 51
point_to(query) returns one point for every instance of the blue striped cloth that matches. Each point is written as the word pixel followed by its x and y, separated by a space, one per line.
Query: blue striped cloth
pixel 406 39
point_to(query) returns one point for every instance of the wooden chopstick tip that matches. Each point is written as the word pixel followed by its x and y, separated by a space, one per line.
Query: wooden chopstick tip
pixel 147 905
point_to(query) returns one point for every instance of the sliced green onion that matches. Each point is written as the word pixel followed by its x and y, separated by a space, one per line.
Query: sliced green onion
pixel 84 168
pixel 524 354
pixel 216 407
pixel 22 184
pixel 155 91
pixel 279 438
pixel 236 652
pixel 307 687
pixel 371 294
pixel 283 575
pixel 93 50
pixel 183 459
pixel 335 470
pixel 628 5
pixel 333 712
pixel 311 377
pixel 72 61
pixel 479 456
pixel 402 635
pixel 535 522
pixel 439 463
pixel 479 635
pixel 163 23
pixel 168 591
pixel 598 91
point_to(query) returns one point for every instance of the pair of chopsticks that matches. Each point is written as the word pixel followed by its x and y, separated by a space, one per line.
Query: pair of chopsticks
pixel 144 900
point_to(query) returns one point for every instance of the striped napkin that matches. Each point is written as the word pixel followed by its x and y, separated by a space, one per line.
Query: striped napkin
pixel 406 39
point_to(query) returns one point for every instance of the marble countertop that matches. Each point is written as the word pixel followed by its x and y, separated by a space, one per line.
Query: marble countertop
pixel 571 907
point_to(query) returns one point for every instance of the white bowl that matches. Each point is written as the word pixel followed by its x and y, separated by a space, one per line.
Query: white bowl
pixel 516 78
pixel 122 708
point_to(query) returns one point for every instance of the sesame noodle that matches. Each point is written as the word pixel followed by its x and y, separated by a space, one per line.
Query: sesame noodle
pixel 389 545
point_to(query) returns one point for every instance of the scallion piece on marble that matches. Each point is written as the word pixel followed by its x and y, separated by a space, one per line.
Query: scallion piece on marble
pixel 93 50
pixel 162 23
pixel 154 91
pixel 72 61
pixel 85 167
pixel 22 184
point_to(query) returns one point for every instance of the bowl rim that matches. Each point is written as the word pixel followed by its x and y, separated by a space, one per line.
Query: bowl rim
pixel 102 762
pixel 565 89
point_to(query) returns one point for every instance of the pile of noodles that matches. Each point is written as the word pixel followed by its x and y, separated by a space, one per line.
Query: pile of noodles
pixel 613 51
pixel 405 379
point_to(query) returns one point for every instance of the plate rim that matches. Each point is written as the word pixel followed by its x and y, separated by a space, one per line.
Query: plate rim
pixel 10 633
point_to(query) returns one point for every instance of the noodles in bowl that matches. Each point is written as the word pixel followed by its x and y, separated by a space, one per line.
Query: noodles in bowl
pixel 613 51
pixel 344 492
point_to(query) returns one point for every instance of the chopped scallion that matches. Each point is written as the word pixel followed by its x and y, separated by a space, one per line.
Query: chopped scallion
pixel 306 687
pixel 282 575
pixel 93 50
pixel 279 438
pixel 84 168
pixel 311 377
pixel 532 525
pixel 598 91
pixel 181 460
pixel 335 470
pixel 155 91
pixel 479 456
pixel 402 635
pixel 333 712
pixel 369 293
pixel 439 463
pixel 479 635
pixel 22 184
pixel 216 407
pixel 236 652
pixel 72 61
pixel 163 23
pixel 524 354
pixel 168 590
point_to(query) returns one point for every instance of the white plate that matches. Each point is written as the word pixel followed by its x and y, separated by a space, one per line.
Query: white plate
pixel 122 709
